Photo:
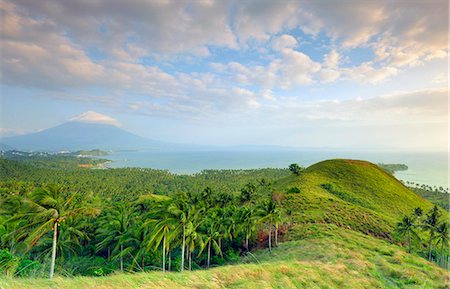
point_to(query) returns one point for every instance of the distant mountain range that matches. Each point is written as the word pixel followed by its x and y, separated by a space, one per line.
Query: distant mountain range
pixel 76 135
pixel 79 134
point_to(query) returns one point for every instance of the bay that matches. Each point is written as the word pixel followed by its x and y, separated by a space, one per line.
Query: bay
pixel 423 168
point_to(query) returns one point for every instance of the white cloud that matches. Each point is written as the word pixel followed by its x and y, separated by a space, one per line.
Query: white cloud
pixel 95 117
pixel 332 59
pixel 283 42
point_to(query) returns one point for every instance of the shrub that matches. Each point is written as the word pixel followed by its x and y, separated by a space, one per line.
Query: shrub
pixel 293 190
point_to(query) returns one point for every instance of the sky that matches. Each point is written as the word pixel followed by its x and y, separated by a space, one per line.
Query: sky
pixel 335 74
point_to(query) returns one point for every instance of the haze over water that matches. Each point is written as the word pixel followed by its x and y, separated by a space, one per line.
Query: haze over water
pixel 423 168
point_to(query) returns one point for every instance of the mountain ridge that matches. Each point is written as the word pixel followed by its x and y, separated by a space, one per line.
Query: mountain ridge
pixel 76 135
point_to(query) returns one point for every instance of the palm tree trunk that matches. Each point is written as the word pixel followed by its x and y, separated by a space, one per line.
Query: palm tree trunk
pixel 55 235
pixel 182 249
pixel 270 237
pixel 164 254
pixel 276 235
pixel 121 258
pixel 209 252
pixel 190 260
pixel 246 242
pixel 429 248
pixel 170 260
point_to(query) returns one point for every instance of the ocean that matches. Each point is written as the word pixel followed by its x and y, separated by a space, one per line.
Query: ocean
pixel 423 168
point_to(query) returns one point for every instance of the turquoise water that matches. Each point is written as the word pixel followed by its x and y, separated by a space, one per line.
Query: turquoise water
pixel 424 168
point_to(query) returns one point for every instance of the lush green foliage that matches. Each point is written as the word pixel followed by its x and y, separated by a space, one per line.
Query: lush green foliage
pixel 424 233
pixel 437 196
pixel 154 220
pixel 130 183
pixel 331 258
pixel 187 225
pixel 392 168
pixel 56 160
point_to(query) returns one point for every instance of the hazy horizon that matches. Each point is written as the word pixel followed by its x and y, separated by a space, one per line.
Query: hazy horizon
pixel 309 74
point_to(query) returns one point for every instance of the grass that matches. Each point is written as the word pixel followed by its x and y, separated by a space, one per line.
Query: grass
pixel 337 239
pixel 338 258
pixel 352 194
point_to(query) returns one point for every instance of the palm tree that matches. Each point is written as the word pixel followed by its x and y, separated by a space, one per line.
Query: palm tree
pixel 185 214
pixel 406 228
pixel 430 224
pixel 442 237
pixel 71 236
pixel 116 232
pixel 268 212
pixel 211 235
pixel 45 209
pixel 193 238
pixel 247 221
pixel 161 234
pixel 278 220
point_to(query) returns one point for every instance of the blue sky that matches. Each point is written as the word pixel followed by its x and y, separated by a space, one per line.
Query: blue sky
pixel 348 74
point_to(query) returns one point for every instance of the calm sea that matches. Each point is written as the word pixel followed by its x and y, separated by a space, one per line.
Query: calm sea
pixel 424 168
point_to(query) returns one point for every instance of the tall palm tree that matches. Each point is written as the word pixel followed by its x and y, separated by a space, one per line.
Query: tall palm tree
pixel 185 214
pixel 406 228
pixel 116 232
pixel 430 225
pixel 277 220
pixel 268 211
pixel 162 232
pixel 193 238
pixel 211 235
pixel 71 235
pixel 247 220
pixel 45 209
pixel 442 237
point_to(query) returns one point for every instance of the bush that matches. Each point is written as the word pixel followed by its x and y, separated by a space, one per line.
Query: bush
pixel 29 268
pixel 8 263
pixel 295 169
pixel 89 266
pixel 293 190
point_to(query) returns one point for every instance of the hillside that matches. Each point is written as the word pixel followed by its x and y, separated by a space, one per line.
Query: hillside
pixel 339 216
pixel 352 194
pixel 339 258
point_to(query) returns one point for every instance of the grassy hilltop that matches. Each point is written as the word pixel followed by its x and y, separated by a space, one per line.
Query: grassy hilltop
pixel 356 195
pixel 339 216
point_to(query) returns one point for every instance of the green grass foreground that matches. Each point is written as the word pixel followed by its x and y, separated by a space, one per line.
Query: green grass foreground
pixel 335 258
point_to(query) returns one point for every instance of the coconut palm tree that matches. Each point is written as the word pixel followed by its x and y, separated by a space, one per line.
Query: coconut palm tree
pixel 116 231
pixel 71 235
pixel 186 215
pixel 268 212
pixel 211 235
pixel 193 238
pixel 162 232
pixel 44 209
pixel 430 225
pixel 406 228
pixel 247 220
pixel 442 237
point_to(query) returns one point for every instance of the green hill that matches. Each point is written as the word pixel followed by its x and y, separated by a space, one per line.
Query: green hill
pixel 353 194
pixel 339 216
pixel 339 258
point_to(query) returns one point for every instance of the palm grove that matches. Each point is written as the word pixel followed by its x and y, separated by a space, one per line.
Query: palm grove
pixel 426 234
pixel 48 227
